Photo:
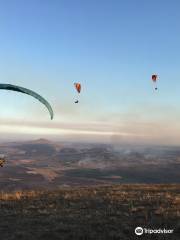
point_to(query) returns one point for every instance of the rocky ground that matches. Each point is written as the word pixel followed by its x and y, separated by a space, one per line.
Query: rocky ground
pixel 82 213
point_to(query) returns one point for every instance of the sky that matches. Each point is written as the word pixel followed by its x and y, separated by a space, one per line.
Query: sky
pixel 112 48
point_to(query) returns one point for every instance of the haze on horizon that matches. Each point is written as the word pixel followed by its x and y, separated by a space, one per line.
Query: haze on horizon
pixel 112 48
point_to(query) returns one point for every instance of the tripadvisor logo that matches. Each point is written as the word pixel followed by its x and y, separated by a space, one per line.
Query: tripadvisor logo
pixel 139 231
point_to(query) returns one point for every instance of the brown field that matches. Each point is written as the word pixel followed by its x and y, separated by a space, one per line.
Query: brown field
pixel 101 212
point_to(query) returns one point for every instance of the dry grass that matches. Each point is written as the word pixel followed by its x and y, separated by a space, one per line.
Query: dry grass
pixel 18 195
pixel 102 212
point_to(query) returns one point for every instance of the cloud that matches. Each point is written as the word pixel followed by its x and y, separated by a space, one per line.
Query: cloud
pixel 138 125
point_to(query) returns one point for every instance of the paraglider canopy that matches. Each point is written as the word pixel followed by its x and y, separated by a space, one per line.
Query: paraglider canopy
pixel 28 92
pixel 154 77
pixel 78 87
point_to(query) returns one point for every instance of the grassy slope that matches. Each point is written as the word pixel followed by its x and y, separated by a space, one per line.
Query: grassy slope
pixel 102 212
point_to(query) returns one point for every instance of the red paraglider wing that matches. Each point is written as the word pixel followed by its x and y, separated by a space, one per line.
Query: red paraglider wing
pixel 78 87
pixel 154 77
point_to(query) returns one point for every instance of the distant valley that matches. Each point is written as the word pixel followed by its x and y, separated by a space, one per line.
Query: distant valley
pixel 48 165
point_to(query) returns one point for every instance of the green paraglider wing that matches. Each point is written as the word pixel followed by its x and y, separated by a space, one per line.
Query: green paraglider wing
pixel 29 92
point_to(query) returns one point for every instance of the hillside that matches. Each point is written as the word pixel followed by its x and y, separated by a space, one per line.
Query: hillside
pixel 101 212
pixel 46 164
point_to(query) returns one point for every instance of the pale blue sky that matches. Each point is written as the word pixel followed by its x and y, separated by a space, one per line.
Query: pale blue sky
pixel 111 47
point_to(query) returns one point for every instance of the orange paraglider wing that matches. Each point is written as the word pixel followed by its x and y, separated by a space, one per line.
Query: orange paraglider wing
pixel 154 77
pixel 78 87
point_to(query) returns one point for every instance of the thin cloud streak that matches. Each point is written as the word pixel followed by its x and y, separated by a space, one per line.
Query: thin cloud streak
pixel 126 131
